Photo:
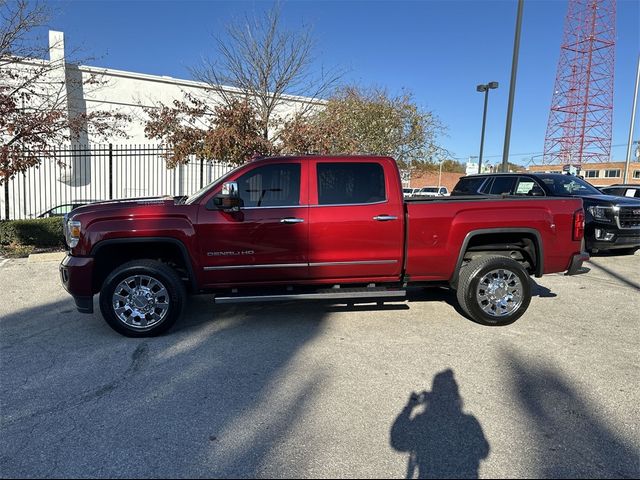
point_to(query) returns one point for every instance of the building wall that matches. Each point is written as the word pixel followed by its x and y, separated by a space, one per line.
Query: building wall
pixel 599 174
pixel 447 179
pixel 131 93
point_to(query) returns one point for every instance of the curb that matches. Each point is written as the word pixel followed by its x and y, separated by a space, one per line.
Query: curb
pixel 46 257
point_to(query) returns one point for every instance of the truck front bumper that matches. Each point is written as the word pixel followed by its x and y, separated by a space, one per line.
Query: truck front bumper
pixel 576 268
pixel 76 274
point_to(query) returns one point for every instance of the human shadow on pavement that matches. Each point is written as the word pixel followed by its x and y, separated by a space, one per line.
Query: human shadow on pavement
pixel 567 436
pixel 442 440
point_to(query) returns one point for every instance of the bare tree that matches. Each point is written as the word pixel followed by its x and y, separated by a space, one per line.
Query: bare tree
pixel 38 93
pixel 264 64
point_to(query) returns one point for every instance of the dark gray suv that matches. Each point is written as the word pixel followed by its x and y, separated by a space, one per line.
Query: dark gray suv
pixel 611 222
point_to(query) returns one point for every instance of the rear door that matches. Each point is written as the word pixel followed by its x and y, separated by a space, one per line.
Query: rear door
pixel 355 221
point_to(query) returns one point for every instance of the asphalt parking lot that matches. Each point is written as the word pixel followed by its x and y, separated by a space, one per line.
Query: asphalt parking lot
pixel 308 390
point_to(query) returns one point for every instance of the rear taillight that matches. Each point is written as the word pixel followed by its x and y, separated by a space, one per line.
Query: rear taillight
pixel 578 225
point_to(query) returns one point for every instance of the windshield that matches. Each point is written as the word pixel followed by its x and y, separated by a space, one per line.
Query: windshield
pixel 568 185
pixel 194 198
pixel 430 189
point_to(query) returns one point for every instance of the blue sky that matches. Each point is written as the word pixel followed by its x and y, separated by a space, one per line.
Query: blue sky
pixel 439 50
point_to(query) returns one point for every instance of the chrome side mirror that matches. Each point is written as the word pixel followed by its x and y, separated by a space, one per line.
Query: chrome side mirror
pixel 230 189
pixel 229 198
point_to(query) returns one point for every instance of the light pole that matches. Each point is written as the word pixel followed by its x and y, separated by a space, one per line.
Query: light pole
pixel 440 175
pixel 633 120
pixel 485 89
pixel 512 87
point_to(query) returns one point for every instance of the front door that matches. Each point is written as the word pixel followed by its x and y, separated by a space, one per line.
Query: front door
pixel 267 240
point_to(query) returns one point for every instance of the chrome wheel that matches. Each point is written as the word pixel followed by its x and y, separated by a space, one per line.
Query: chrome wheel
pixel 499 292
pixel 140 302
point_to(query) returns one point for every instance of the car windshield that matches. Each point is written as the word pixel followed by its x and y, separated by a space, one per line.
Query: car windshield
pixel 568 185
pixel 430 189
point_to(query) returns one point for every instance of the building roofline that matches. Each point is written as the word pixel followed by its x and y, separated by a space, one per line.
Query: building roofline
pixel 157 78
pixel 180 82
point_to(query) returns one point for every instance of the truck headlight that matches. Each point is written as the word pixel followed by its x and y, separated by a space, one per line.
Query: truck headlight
pixel 73 232
pixel 602 214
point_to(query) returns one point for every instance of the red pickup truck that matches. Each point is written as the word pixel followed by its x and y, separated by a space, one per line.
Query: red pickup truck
pixel 334 228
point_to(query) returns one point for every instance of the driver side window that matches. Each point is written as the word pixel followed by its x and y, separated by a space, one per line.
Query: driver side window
pixel 271 186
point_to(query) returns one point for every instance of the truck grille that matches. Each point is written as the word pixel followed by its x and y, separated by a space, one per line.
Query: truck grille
pixel 629 217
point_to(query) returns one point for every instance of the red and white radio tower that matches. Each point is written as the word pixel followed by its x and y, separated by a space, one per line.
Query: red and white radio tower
pixel 579 128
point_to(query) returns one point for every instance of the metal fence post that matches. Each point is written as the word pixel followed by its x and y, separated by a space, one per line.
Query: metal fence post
pixel 110 171
pixel 201 172
pixel 6 197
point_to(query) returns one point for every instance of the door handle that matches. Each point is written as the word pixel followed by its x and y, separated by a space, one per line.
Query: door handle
pixel 292 220
pixel 384 218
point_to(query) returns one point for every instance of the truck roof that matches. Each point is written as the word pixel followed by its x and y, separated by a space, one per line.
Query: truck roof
pixel 333 158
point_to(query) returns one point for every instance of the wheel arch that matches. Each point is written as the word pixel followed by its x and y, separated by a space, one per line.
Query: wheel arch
pixel 122 250
pixel 487 238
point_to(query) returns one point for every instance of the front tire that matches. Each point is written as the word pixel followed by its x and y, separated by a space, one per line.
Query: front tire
pixel 494 290
pixel 142 298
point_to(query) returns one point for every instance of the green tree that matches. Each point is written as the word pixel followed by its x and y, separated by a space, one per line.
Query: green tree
pixel 367 121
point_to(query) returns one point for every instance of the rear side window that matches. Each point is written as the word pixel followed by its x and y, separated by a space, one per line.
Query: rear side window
pixel 271 186
pixel 614 191
pixel 347 183
pixel 524 186
pixel 468 186
pixel 502 185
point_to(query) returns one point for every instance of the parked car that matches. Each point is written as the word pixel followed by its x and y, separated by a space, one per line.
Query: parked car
pixel 313 228
pixel 612 222
pixel 63 209
pixel 433 192
pixel 407 192
pixel 410 192
pixel 622 190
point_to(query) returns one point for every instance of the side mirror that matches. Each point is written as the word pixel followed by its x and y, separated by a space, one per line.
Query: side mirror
pixel 228 200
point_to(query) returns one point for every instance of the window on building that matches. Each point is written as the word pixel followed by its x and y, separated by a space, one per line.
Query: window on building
pixel 612 173
pixel 349 183
pixel 591 174
pixel 636 174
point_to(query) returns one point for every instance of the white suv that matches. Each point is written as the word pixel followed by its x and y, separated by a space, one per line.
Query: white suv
pixel 432 192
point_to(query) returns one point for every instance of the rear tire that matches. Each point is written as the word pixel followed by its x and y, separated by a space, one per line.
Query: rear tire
pixel 142 298
pixel 494 290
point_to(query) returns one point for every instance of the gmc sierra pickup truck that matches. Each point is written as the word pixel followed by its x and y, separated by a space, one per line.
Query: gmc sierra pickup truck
pixel 333 228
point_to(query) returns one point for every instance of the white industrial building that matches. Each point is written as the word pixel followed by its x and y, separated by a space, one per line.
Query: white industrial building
pixel 128 93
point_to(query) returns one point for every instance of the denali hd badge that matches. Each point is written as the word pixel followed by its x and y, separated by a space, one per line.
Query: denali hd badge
pixel 225 254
